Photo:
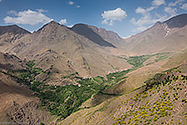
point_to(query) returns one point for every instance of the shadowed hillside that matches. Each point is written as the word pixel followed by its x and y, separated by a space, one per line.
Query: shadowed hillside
pixel 178 21
pixel 84 30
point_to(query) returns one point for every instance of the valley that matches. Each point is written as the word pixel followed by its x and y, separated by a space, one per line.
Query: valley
pixel 88 75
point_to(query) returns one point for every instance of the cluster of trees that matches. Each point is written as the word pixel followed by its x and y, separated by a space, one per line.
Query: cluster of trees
pixel 64 100
pixel 59 100
pixel 137 61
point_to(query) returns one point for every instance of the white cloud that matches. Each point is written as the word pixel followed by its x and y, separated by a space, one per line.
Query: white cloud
pixel 78 6
pixel 158 2
pixel 71 3
pixel 27 17
pixel 111 15
pixel 150 8
pixel 145 21
pixel 140 10
pixel 12 12
pixel 175 3
pixel 184 6
pixel 63 21
pixel 143 11
pixel 0 0
pixel 133 21
pixel 41 10
pixel 171 11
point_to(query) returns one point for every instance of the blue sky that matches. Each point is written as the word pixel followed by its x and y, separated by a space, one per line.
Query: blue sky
pixel 125 17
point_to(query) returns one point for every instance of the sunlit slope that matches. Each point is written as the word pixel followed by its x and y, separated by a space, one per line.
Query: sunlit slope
pixel 162 101
pixel 168 36
pixel 55 47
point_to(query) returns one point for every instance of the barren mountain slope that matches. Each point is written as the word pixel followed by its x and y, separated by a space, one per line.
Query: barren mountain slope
pixel 167 36
pixel 57 48
pixel 17 101
pixel 163 100
pixel 8 35
pixel 109 36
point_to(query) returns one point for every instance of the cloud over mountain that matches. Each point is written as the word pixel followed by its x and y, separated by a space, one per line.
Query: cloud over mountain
pixel 63 21
pixel 27 17
pixel 155 12
pixel 111 15
pixel 170 11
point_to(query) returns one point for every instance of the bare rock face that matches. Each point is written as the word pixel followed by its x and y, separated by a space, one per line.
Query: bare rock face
pixel 27 113
pixel 10 62
pixel 9 34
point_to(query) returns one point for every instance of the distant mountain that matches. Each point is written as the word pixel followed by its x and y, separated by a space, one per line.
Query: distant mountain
pixel 62 51
pixel 84 30
pixel 178 21
pixel 12 29
pixel 163 36
pixel 109 36
pixel 8 34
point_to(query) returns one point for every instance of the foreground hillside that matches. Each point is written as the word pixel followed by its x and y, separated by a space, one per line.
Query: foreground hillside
pixel 162 100
pixel 18 104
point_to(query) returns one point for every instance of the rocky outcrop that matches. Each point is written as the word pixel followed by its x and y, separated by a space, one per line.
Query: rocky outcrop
pixel 28 113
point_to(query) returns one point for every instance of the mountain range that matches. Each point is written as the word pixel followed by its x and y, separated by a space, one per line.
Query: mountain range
pixel 59 56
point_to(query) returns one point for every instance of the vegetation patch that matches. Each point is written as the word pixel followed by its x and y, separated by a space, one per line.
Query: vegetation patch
pixel 137 61
pixel 64 100
pixel 162 98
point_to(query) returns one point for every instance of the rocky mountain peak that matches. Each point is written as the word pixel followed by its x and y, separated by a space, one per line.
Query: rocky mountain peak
pixel 51 25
